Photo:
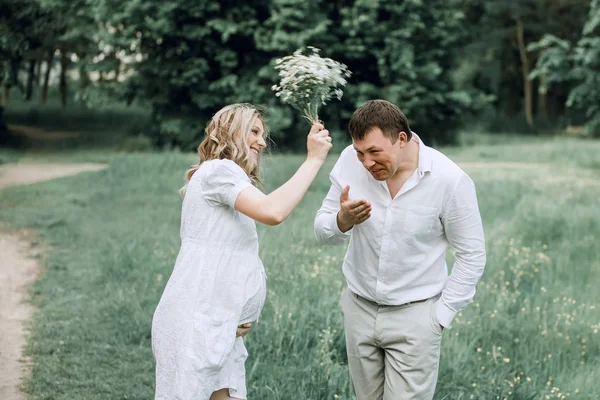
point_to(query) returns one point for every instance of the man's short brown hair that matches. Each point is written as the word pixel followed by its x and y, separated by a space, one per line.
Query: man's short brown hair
pixel 378 114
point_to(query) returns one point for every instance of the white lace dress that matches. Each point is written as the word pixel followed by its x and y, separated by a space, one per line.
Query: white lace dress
pixel 218 283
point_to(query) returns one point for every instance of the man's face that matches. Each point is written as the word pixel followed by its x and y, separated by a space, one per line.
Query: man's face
pixel 378 155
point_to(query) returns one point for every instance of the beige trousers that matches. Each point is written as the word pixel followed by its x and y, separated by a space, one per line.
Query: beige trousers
pixel 393 351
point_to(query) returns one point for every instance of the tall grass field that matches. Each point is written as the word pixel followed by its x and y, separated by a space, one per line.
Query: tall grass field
pixel 532 332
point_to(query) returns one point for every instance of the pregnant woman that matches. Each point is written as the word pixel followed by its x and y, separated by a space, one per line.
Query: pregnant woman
pixel 218 285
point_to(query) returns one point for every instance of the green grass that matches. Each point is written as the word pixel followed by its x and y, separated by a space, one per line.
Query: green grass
pixel 10 155
pixel 532 332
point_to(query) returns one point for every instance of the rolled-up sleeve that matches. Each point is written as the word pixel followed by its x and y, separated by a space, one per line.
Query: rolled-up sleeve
pixel 464 230
pixel 326 227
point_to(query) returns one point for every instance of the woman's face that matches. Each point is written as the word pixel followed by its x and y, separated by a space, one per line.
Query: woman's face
pixel 256 140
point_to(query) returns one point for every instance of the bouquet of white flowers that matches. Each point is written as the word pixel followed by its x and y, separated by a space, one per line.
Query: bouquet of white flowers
pixel 308 81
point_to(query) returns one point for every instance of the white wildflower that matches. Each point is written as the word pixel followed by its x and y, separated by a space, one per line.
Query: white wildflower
pixel 309 81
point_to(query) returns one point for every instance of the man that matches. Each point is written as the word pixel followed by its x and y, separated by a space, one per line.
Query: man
pixel 402 204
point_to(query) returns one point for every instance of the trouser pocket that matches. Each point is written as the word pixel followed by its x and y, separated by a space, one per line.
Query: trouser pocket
pixel 435 325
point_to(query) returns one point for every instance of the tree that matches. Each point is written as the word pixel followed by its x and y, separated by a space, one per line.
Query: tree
pixel 577 63
pixel 186 58
pixel 26 33
pixel 498 60
pixel 19 25
pixel 189 58
pixel 71 32
pixel 405 52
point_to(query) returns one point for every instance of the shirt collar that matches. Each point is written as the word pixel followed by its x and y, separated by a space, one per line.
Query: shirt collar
pixel 425 160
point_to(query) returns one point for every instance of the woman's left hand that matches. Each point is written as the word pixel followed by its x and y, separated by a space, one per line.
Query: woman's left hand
pixel 243 329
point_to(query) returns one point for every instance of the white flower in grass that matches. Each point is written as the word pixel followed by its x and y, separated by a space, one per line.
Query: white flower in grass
pixel 309 81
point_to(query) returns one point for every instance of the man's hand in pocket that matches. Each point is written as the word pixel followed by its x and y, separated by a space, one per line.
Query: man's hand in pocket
pixel 243 329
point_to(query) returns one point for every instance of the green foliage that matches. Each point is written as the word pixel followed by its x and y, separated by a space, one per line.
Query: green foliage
pixel 198 56
pixel 441 62
pixel 493 63
pixel 292 24
pixel 187 58
pixel 577 63
pixel 24 27
pixel 397 51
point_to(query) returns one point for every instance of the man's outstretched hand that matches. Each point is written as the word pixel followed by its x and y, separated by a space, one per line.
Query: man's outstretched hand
pixel 352 212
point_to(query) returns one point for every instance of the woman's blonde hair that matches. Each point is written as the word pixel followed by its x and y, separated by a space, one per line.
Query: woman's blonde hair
pixel 226 137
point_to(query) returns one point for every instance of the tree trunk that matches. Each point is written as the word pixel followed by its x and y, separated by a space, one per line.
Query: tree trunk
pixel 84 77
pixel 64 63
pixel 38 72
pixel 44 96
pixel 30 79
pixel 2 73
pixel 542 101
pixel 525 68
pixel 5 92
pixel 3 136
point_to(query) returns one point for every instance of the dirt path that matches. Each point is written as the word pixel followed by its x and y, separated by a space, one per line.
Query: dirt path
pixel 22 173
pixel 18 270
pixel 34 133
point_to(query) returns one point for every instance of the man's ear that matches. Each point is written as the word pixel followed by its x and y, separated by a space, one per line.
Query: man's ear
pixel 402 138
